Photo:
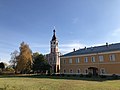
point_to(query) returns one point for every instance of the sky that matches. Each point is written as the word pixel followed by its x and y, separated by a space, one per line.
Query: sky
pixel 78 23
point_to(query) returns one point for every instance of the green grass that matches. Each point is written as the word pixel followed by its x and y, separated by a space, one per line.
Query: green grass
pixel 56 83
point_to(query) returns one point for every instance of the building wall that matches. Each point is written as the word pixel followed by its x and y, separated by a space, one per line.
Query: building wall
pixel 105 67
pixel 54 60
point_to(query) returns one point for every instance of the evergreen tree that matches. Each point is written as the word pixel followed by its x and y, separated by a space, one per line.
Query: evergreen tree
pixel 2 65
pixel 40 65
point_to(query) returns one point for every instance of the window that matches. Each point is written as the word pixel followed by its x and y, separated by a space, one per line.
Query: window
pixel 78 71
pixel 70 60
pixel 102 71
pixel 86 59
pixel 54 60
pixel 112 57
pixel 92 59
pixel 71 71
pixel 86 71
pixel 64 71
pixel 77 60
pixel 64 62
pixel 101 59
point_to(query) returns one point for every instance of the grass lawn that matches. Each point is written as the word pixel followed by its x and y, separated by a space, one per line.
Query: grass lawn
pixel 56 83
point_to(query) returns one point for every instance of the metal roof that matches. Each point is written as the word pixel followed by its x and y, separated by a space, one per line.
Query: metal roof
pixel 96 49
pixel 54 36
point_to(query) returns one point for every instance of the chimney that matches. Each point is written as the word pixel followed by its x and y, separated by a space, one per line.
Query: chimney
pixel 74 49
pixel 85 48
pixel 107 44
pixel 91 48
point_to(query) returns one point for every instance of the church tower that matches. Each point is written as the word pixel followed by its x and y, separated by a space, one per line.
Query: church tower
pixel 54 54
pixel 54 43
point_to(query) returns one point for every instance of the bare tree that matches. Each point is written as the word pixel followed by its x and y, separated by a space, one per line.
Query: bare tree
pixel 13 60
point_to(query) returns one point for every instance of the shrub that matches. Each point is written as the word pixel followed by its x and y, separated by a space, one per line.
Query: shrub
pixel 102 76
pixel 81 75
pixel 53 74
pixel 114 76
pixel 89 75
pixel 74 75
pixel 68 75
pixel 62 75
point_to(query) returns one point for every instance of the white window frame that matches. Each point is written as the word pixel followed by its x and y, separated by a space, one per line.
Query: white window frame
pixel 112 57
pixel 77 60
pixel 70 61
pixel 101 58
pixel 86 59
pixel 92 59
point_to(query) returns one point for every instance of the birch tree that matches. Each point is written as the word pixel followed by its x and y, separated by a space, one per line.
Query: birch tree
pixel 24 60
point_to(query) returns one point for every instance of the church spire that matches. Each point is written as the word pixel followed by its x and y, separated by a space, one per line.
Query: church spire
pixel 54 36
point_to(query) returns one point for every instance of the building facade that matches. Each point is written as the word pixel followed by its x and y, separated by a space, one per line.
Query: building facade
pixel 100 60
pixel 53 57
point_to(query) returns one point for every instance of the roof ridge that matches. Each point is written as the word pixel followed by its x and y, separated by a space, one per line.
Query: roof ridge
pixel 95 49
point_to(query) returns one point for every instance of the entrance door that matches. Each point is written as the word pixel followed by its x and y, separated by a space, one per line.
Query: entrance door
pixel 54 68
pixel 94 71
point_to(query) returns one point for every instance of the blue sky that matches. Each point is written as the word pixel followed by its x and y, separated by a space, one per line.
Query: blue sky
pixel 78 23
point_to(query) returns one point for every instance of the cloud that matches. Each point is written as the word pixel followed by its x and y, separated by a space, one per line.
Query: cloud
pixel 66 48
pixel 116 32
pixel 36 45
pixel 114 36
pixel 63 48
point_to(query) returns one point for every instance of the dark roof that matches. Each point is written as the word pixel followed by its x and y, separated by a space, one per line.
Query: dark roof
pixel 54 36
pixel 97 49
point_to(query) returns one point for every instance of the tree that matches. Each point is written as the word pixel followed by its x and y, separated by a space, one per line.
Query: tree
pixel 40 65
pixel 10 69
pixel 13 60
pixel 24 60
pixel 2 65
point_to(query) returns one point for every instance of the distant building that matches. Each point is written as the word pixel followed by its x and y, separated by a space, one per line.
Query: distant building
pixel 54 57
pixel 100 60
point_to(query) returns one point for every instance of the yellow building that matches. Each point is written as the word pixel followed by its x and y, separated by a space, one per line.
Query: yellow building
pixel 100 60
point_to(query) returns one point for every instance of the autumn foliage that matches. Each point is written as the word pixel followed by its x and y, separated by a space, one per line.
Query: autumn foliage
pixel 24 59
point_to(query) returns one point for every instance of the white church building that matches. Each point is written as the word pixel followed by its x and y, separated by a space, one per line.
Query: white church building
pixel 53 57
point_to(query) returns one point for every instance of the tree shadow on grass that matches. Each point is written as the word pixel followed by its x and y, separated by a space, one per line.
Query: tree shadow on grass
pixel 98 79
pixel 2 89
